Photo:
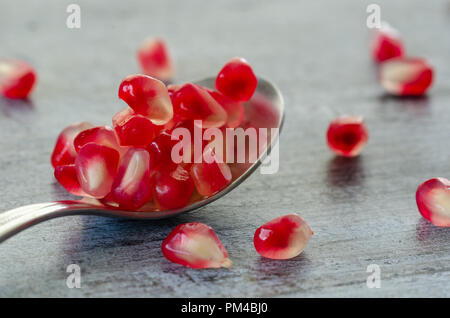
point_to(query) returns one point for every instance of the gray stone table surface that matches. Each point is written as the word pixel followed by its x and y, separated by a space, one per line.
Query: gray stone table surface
pixel 363 211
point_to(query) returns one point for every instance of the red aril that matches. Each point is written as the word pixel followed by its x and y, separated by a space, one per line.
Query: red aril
pixel 195 245
pixel 148 97
pixel 247 143
pixel 433 201
pixel 160 150
pixel 133 129
pixel 154 59
pixel 237 80
pixel 67 177
pixel 235 110
pixel 347 136
pixel 210 178
pixel 64 152
pixel 406 76
pixel 132 185
pixel 193 102
pixel 282 238
pixel 17 78
pixel 96 168
pixel 173 188
pixel 101 135
pixel 386 44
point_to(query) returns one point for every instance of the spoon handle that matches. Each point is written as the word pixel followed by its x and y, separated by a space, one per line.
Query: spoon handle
pixel 16 220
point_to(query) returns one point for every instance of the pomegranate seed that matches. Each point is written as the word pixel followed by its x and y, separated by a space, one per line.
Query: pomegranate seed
pixel 193 102
pixel 154 59
pixel 148 97
pixel 406 76
pixel 210 178
pixel 64 152
pixel 160 151
pixel 347 136
pixel 237 80
pixel 282 238
pixel 133 129
pixel 386 44
pixel 67 177
pixel 433 201
pixel 196 132
pixel 195 245
pixel 96 167
pixel 132 187
pixel 101 135
pixel 235 110
pixel 17 78
pixel 173 189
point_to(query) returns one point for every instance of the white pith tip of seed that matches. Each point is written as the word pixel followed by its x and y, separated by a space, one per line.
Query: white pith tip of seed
pixel 203 247
pixel 227 263
pixel 134 172
pixel 5 68
pixel 96 174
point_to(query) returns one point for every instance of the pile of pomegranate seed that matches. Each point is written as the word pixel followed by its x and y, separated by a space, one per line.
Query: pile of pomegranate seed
pixel 130 164
pixel 399 74
pixel 17 78
pixel 406 76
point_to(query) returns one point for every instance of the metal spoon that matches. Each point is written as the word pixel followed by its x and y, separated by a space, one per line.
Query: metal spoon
pixel 264 110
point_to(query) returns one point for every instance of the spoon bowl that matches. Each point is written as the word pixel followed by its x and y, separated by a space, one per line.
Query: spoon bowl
pixel 264 110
